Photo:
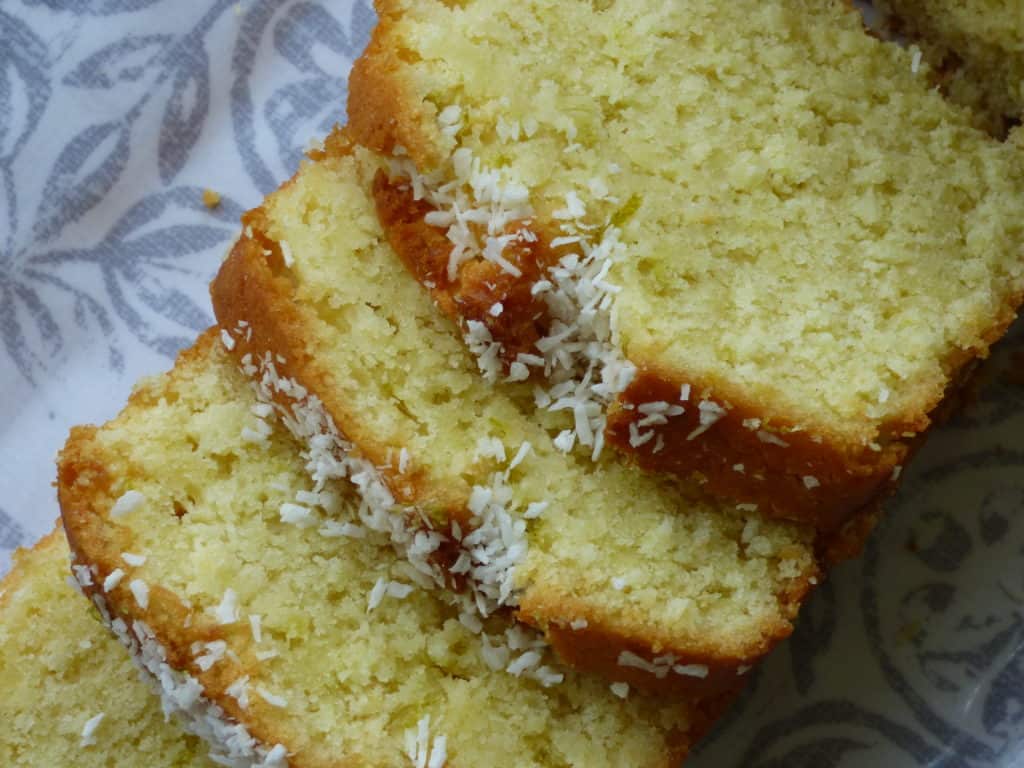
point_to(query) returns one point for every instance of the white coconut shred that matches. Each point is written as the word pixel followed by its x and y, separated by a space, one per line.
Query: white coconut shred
pixel 484 211
pixel 487 553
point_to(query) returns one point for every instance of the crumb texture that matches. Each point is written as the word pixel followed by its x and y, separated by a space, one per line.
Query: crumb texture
pixel 644 557
pixel 806 221
pixel 978 45
pixel 336 678
pixel 61 668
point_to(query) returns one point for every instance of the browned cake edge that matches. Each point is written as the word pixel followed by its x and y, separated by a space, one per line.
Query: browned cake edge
pixel 253 292
pixel 752 454
pixel 160 636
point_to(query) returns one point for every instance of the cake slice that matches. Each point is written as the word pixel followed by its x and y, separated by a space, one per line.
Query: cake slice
pixel 744 239
pixel 70 693
pixel 285 631
pixel 622 571
pixel 977 47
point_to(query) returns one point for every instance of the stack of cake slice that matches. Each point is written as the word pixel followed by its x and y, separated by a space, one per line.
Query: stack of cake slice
pixel 541 396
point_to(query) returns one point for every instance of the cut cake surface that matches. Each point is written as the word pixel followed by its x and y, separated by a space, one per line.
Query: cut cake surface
pixel 750 213
pixel 603 559
pixel 976 47
pixel 70 693
pixel 283 629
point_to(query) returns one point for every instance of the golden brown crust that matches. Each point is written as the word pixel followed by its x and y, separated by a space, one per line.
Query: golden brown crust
pixel 253 287
pixel 381 115
pixel 479 284
pixel 843 476
pixel 84 491
pixel 820 479
pixel 772 476
pixel 746 457
pixel 248 289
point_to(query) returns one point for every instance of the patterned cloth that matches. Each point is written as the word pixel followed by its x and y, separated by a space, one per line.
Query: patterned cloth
pixel 115 115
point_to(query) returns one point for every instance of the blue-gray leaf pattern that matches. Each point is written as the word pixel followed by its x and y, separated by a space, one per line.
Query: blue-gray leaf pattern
pixel 122 61
pixel 116 115
pixel 86 169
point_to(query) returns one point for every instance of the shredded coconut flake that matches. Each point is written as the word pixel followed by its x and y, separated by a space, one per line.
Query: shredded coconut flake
pixel 709 413
pixel 227 611
pixel 286 254
pixel 227 340
pixel 271 699
pixel 239 691
pixel 479 207
pixel 810 482
pixel 376 595
pixel 140 591
pixel 659 669
pixel 83 574
pixel 208 654
pixel 419 749
pixel 89 730
pixel 298 515
pixel 127 503
pixel 691 670
pixel 620 689
pixel 133 560
pixel 535 509
pixel 113 579
pixel 487 553
pixel 771 438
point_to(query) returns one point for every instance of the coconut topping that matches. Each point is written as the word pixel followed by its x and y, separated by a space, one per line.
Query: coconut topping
pixel 271 699
pixel 771 438
pixel 239 691
pixel 710 413
pixel 113 579
pixel 424 751
pixel 182 695
pixel 662 665
pixel 127 503
pixel 227 611
pixel 89 730
pixel 140 591
pixel 488 552
pixel 580 357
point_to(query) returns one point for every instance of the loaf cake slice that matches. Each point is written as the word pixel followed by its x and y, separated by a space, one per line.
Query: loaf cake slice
pixel 70 694
pixel 285 630
pixel 744 239
pixel 976 47
pixel 624 572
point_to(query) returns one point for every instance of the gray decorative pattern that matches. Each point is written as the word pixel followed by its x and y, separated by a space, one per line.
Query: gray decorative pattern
pixel 116 114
